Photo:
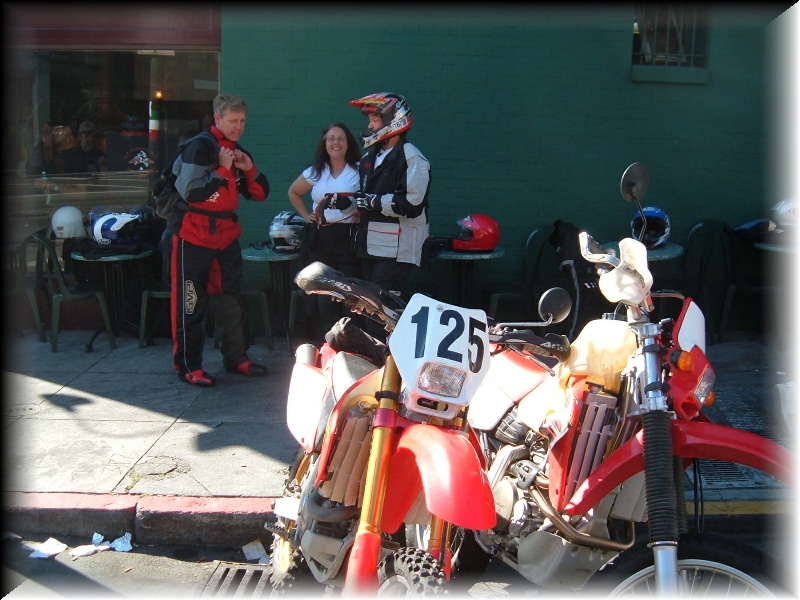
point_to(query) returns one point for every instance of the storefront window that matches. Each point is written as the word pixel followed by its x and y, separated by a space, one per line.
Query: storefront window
pixel 93 128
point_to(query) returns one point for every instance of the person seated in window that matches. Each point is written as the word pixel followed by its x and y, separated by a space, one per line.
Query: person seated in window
pixel 69 156
pixel 95 158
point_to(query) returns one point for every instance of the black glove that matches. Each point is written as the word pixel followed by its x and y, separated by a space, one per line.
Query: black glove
pixel 367 201
pixel 338 201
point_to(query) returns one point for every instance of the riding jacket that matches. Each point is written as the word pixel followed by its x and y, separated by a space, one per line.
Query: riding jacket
pixel 206 185
pixel 402 181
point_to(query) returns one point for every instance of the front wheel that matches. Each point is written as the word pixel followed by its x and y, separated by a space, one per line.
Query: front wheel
pixel 708 566
pixel 410 572
pixel 469 556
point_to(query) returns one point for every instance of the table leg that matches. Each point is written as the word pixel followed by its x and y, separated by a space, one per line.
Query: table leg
pixel 279 271
pixel 462 282
pixel 121 280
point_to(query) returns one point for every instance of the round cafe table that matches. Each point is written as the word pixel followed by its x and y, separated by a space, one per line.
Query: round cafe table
pixel 280 276
pixel 123 280
pixel 463 266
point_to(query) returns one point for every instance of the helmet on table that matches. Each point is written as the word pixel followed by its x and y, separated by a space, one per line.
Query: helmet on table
pixel 479 234
pixel 784 213
pixel 285 231
pixel 657 230
pixel 113 228
pixel 393 110
pixel 67 222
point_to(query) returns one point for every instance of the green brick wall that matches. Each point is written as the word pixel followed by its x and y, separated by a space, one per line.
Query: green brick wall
pixel 526 114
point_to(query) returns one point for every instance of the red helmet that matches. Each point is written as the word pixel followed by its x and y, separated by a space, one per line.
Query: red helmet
pixel 394 111
pixel 479 234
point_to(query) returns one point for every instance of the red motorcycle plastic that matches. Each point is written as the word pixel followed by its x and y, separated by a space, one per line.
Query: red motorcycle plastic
pixel 587 439
pixel 383 444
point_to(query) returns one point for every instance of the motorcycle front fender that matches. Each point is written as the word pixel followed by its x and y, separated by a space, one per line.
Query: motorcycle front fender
pixel 690 440
pixel 443 465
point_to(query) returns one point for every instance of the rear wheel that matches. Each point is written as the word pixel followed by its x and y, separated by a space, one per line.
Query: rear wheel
pixel 410 572
pixel 708 566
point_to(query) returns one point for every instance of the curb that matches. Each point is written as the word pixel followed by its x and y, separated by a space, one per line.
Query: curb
pixel 220 522
pixel 229 522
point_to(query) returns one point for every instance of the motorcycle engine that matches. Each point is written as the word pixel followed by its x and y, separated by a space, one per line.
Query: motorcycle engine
pixel 522 453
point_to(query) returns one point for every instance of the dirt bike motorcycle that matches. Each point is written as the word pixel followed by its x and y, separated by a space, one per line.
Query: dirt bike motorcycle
pixel 586 439
pixel 383 444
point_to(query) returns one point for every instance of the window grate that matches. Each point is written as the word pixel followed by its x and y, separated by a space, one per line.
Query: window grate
pixel 670 35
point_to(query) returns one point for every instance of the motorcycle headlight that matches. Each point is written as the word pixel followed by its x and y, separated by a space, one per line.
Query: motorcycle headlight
pixel 442 380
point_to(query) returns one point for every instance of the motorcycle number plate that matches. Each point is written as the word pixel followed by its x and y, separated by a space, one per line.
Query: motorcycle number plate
pixel 430 331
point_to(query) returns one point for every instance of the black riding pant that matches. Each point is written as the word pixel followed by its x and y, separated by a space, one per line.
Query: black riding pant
pixel 197 274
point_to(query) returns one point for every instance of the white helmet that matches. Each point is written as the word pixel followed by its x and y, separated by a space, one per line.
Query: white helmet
pixel 285 231
pixel 784 213
pixel 108 228
pixel 67 222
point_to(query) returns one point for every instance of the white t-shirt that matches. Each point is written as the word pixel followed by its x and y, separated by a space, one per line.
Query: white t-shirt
pixel 347 181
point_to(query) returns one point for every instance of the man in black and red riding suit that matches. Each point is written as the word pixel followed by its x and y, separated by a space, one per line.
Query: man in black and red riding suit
pixel 206 255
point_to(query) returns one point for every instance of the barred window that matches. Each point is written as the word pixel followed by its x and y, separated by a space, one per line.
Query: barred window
pixel 670 35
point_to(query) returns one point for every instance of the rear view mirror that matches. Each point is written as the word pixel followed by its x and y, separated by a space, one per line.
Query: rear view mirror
pixel 634 182
pixel 555 303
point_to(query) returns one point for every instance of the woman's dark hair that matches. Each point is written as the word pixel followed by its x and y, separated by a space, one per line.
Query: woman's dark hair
pixel 321 157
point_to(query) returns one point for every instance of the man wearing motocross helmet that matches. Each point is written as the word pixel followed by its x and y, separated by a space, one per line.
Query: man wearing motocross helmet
pixel 394 178
pixel 212 173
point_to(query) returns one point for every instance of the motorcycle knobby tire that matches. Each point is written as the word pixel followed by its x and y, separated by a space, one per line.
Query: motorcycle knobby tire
pixel 410 572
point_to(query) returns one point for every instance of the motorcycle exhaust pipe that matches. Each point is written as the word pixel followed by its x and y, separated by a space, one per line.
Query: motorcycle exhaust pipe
pixel 573 535
pixel 329 514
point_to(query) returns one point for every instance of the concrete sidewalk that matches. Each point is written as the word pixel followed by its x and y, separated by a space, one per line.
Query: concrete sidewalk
pixel 112 442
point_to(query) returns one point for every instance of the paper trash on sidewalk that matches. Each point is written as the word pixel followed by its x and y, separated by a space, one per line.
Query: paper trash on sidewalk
pixel 48 548
pixel 97 545
pixel 122 544
pixel 255 551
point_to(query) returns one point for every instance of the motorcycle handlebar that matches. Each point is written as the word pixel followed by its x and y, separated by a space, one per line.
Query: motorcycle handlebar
pixel 594 252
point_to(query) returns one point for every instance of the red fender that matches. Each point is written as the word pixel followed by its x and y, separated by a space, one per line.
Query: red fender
pixel 443 464
pixel 690 439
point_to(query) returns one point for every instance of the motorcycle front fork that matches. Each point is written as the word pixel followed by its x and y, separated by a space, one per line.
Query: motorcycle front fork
pixel 661 487
pixel 362 565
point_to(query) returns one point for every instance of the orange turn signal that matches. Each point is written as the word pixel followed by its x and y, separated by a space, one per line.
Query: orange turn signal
pixel 683 360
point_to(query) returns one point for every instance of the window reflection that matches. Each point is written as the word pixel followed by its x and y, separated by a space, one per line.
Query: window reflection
pixel 87 128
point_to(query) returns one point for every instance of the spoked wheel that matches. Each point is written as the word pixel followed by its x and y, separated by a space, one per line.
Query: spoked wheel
pixel 289 570
pixel 410 572
pixel 469 556
pixel 708 566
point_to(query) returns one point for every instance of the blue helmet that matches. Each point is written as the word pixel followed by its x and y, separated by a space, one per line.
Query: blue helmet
pixel 657 231
pixel 110 228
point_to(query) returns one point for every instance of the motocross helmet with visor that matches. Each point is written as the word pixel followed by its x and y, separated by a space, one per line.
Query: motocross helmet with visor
pixel 656 231
pixel 285 231
pixel 393 110
pixel 67 222
pixel 113 228
pixel 479 234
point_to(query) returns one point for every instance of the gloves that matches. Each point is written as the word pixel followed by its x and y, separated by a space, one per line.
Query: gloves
pixel 367 201
pixel 338 202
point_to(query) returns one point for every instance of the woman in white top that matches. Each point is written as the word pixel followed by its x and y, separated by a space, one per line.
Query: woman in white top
pixel 335 170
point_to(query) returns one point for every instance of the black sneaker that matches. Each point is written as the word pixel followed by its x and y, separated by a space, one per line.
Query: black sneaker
pixel 248 368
